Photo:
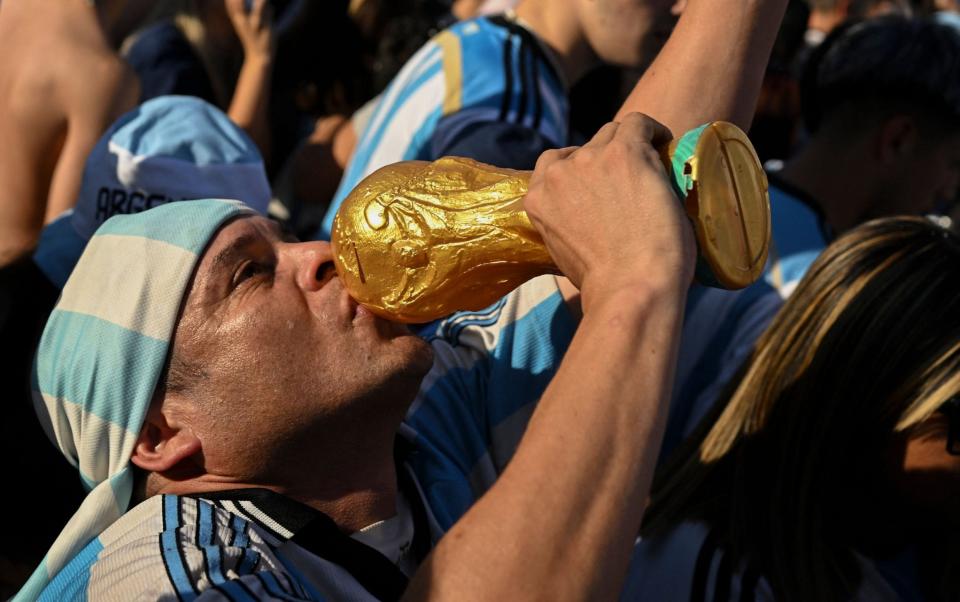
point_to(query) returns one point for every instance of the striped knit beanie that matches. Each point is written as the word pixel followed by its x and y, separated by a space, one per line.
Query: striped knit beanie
pixel 103 351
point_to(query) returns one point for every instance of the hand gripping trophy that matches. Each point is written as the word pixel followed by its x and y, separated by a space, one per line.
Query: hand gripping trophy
pixel 416 241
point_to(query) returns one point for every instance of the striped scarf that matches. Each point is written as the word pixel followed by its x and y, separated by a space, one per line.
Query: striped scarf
pixel 103 351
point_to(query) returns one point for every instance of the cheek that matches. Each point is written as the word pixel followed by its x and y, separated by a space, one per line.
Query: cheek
pixel 930 477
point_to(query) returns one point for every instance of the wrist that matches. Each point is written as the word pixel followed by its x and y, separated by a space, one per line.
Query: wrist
pixel 640 294
pixel 257 59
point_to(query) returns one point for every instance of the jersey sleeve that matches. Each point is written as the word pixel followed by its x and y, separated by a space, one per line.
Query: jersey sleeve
pixel 180 548
pixel 490 369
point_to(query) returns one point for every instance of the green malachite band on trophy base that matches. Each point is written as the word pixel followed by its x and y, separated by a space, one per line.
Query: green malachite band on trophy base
pixel 683 183
pixel 723 188
pixel 686 146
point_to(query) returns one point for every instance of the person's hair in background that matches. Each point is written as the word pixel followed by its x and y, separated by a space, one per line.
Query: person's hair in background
pixel 880 99
pixel 826 15
pixel 394 29
pixel 830 445
pixel 867 70
pixel 320 71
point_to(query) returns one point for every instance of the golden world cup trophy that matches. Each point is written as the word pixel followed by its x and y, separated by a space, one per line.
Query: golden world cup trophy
pixel 416 241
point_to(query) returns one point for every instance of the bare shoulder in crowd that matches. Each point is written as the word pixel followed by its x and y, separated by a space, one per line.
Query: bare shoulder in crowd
pixel 52 111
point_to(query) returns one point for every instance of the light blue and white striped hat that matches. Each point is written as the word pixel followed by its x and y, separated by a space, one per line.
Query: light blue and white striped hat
pixel 170 148
pixel 102 353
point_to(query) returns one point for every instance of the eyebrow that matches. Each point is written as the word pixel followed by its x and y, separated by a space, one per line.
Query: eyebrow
pixel 226 255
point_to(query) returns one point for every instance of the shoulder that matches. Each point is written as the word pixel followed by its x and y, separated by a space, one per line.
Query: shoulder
pixel 170 545
pixel 96 86
pixel 536 302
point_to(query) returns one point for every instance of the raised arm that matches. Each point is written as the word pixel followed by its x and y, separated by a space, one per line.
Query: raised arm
pixel 561 520
pixel 712 66
pixel 249 107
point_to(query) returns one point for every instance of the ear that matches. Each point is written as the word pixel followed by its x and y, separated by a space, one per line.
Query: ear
pixel 164 441
pixel 897 139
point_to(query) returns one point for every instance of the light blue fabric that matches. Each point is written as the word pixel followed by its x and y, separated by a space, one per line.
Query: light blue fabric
pixel 170 148
pixel 95 374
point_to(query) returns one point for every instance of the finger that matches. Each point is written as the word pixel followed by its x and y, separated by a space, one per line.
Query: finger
pixel 548 158
pixel 604 135
pixel 637 127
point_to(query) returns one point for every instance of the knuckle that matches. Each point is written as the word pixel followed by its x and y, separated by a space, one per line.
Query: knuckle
pixel 553 170
pixel 584 155
pixel 618 150
pixel 545 159
pixel 533 203
pixel 637 120
pixel 648 154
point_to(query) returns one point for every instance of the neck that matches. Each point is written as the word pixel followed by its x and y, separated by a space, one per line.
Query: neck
pixel 833 174
pixel 355 493
pixel 351 478
pixel 561 31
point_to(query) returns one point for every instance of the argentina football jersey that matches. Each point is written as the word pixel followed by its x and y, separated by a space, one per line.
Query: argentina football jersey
pixel 485 89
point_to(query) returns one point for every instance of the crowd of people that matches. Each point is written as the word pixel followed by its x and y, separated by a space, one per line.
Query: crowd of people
pixel 197 408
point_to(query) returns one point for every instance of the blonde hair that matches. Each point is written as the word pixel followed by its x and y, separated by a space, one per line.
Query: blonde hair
pixel 867 346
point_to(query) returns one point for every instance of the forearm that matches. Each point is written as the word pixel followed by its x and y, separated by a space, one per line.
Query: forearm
pixel 249 107
pixel 560 522
pixel 712 66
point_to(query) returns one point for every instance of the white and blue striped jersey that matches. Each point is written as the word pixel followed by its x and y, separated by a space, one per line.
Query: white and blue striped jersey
pixel 720 327
pixel 486 89
pixel 244 544
pixel 489 371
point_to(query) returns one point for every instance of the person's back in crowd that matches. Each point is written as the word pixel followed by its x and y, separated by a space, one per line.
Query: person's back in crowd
pixel 832 469
pixel 168 149
pixel 882 99
pixel 53 110
pixel 495 88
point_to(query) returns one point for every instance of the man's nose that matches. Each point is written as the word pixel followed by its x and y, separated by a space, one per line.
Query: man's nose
pixel 678 7
pixel 312 262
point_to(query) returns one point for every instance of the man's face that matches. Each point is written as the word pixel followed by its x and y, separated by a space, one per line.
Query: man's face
pixel 926 180
pixel 628 33
pixel 280 350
